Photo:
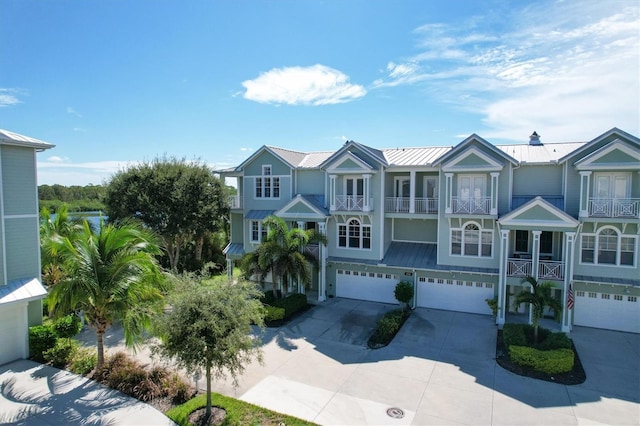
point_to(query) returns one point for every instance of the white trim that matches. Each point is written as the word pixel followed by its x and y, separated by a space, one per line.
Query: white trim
pixel 491 165
pixel 596 243
pixel 363 166
pixel 481 230
pixel 587 162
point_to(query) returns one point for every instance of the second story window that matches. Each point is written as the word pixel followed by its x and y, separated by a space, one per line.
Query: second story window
pixel 471 240
pixel 258 232
pixel 353 234
pixel 267 186
pixel 608 247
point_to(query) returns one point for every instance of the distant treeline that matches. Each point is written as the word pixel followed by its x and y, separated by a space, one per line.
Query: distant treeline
pixel 78 198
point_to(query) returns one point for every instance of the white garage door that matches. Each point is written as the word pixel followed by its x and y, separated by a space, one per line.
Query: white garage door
pixel 610 311
pixel 370 286
pixel 453 295
pixel 13 333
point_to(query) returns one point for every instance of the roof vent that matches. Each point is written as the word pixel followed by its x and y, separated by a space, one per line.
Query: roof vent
pixel 534 139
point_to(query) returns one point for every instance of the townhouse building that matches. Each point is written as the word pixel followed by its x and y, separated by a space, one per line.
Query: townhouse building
pixel 21 292
pixel 463 224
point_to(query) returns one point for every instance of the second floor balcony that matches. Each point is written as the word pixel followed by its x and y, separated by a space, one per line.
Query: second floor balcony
pixel 547 269
pixel 471 205
pixel 404 205
pixel 352 203
pixel 614 207
pixel 235 202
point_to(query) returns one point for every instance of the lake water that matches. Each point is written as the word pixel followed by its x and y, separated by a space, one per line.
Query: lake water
pixel 92 217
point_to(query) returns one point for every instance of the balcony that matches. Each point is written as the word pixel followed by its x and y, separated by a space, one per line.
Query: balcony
pixel 547 269
pixel 403 205
pixel 313 250
pixel 614 207
pixel 235 202
pixel 473 205
pixel 351 203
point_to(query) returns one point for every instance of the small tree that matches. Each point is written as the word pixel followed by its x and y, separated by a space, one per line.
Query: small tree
pixel 210 327
pixel 538 297
pixel 404 293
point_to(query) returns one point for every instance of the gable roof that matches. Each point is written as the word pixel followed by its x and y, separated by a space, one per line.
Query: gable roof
pixel 473 138
pixel 303 207
pixel 614 131
pixel 598 158
pixel 538 213
pixel 375 154
pixel 11 138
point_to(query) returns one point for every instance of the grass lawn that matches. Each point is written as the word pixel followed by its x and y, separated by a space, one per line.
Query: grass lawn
pixel 238 412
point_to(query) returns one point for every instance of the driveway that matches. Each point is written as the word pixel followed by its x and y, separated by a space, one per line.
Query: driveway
pixel 439 369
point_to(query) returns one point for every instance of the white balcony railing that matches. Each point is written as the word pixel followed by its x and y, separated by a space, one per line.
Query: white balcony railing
pixel 473 205
pixel 403 205
pixel 614 207
pixel 547 269
pixel 351 203
pixel 313 250
pixel 235 202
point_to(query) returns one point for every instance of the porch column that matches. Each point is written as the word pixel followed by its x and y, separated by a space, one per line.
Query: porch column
pixel 584 193
pixel 366 206
pixel 301 286
pixel 569 241
pixel 535 262
pixel 322 250
pixel 229 269
pixel 448 192
pixel 332 192
pixel 502 277
pixel 494 193
pixel 412 191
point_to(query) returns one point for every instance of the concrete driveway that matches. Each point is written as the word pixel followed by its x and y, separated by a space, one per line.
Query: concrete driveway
pixel 439 369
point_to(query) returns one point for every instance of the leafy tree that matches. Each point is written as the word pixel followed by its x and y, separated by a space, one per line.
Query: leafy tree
pixel 404 293
pixel 282 254
pixel 181 201
pixel 539 297
pixel 112 275
pixel 210 327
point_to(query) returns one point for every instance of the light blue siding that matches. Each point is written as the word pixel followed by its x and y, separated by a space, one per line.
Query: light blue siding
pixel 22 248
pixel 19 180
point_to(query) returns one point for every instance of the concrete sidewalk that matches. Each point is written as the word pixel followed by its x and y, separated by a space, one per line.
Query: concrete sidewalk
pixel 37 394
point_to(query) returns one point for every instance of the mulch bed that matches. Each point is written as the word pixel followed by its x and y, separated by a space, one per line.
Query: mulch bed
pixel 573 377
pixel 198 416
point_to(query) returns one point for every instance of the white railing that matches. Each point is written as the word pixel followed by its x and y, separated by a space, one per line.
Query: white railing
pixel 547 269
pixel 351 203
pixel 235 201
pixel 313 250
pixel 473 205
pixel 614 207
pixel 403 205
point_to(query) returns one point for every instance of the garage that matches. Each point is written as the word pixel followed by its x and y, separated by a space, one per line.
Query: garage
pixel 454 295
pixel 609 311
pixel 14 332
pixel 371 286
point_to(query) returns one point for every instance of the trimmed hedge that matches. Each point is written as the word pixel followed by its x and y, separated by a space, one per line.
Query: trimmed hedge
pixel 387 327
pixel 554 361
pixel 291 304
pixel 67 326
pixel 41 339
pixel 273 313
pixel 522 335
pixel 513 334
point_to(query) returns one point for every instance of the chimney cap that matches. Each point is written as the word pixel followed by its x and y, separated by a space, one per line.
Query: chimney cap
pixel 534 139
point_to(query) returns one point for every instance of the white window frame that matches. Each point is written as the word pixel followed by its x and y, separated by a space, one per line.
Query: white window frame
pixel 596 236
pixel 464 236
pixel 259 231
pixel 344 230
pixel 267 183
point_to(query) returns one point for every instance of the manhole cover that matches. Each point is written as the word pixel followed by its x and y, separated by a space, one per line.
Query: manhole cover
pixel 395 412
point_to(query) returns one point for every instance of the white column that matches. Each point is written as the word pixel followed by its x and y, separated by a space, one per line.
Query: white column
pixel 322 250
pixel 366 203
pixel 584 193
pixel 412 191
pixel 332 192
pixel 569 254
pixel 448 192
pixel 535 261
pixel 494 193
pixel 502 277
pixel 229 269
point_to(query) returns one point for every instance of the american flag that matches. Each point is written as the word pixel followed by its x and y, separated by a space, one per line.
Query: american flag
pixel 570 298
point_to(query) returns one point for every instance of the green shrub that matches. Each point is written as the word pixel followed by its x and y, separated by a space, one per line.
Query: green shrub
pixel 493 305
pixel 273 313
pixel 83 361
pixel 550 362
pixel 555 341
pixel 387 327
pixel 403 292
pixel 67 326
pixel 291 304
pixel 41 339
pixel 514 334
pixel 62 352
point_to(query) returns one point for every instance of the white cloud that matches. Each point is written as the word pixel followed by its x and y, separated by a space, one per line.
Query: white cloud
pixel 73 112
pixel 56 159
pixel 314 85
pixel 62 171
pixel 9 97
pixel 568 69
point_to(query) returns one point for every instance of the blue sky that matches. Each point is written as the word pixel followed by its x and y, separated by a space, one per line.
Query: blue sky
pixel 116 82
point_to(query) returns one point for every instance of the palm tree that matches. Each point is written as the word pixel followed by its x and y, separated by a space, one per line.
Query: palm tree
pixel 111 275
pixel 282 254
pixel 538 297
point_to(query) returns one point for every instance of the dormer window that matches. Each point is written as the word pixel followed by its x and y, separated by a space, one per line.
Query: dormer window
pixel 267 186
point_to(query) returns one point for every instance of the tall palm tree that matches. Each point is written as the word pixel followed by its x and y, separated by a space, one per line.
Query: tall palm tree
pixel 111 275
pixel 539 297
pixel 282 254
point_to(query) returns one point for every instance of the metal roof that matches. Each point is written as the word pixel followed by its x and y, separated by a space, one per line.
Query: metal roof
pixel 11 138
pixel 21 291
pixel 234 249
pixel 607 280
pixel 547 153
pixel 258 214
pixel 414 156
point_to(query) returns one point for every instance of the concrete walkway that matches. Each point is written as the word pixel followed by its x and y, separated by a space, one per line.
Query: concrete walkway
pixel 36 394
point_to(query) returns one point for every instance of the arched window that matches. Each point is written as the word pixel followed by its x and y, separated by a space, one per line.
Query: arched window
pixel 471 240
pixel 608 247
pixel 354 234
